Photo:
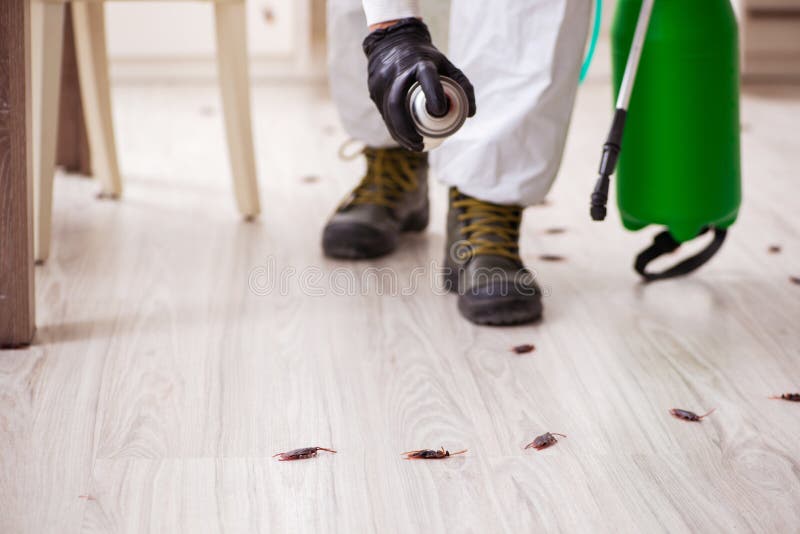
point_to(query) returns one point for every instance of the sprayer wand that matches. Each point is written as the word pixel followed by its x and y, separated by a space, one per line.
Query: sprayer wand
pixel 613 144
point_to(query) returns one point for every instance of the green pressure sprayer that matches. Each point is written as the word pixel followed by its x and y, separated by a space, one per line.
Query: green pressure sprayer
pixel 676 74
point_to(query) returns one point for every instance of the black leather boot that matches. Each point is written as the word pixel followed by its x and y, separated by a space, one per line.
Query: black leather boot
pixel 483 264
pixel 392 198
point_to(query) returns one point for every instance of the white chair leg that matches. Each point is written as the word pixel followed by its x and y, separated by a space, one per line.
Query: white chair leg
pixel 47 35
pixel 234 79
pixel 88 22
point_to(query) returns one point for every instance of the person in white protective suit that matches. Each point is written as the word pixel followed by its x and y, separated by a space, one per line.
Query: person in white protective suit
pixel 519 63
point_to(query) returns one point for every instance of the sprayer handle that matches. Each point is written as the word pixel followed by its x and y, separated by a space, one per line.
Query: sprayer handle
pixel 608 164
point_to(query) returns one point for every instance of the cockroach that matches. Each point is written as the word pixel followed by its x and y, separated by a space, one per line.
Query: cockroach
pixel 795 280
pixel 686 415
pixel 556 230
pixel 544 441
pixel 551 257
pixel 310 179
pixel 774 249
pixel 523 349
pixel 300 454
pixel 430 454
pixel 793 397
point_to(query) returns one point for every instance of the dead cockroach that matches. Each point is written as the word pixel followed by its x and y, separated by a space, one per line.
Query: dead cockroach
pixel 555 230
pixel 300 454
pixel 794 397
pixel 544 441
pixel 686 415
pixel 523 349
pixel 430 454
pixel 774 249
pixel 551 257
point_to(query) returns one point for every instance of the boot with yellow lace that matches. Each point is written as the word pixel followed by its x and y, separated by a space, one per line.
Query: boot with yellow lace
pixel 392 198
pixel 483 265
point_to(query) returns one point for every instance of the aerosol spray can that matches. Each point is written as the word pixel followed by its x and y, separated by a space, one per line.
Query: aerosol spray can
pixel 434 130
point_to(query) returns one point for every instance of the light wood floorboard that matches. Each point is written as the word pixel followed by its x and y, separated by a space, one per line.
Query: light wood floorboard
pixel 161 382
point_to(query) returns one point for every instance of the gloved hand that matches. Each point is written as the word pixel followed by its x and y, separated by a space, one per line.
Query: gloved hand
pixel 397 57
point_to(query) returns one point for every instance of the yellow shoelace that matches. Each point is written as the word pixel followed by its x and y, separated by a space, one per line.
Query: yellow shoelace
pixel 493 230
pixel 390 174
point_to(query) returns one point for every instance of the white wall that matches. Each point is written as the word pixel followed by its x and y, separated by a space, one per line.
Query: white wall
pixel 175 40
pixel 185 29
pixel 171 30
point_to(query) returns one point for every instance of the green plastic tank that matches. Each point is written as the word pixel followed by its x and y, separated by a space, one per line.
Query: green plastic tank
pixel 680 162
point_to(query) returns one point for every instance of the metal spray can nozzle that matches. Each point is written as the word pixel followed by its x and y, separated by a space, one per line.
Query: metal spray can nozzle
pixel 434 130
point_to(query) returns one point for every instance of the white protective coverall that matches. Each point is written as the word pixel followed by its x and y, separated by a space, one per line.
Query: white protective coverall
pixel 522 56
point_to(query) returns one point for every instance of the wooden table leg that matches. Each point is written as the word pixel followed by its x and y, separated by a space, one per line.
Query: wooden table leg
pixel 16 171
pixel 73 144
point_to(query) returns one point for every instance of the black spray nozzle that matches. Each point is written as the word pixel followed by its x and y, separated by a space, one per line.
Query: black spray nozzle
pixel 600 198
pixel 608 164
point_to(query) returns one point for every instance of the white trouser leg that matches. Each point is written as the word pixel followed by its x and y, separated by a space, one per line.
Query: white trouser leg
pixel 524 58
pixel 347 69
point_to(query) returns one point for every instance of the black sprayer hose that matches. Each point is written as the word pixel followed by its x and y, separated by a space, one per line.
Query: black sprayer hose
pixel 608 165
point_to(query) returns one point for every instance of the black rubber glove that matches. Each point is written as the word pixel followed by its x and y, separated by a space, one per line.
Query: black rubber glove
pixel 397 57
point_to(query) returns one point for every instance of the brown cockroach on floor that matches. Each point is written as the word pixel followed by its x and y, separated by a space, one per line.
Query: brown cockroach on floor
pixel 544 441
pixel 523 349
pixel 555 230
pixel 430 454
pixel 300 454
pixel 793 397
pixel 686 415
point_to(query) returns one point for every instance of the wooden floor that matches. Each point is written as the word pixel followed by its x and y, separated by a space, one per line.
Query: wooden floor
pixel 167 371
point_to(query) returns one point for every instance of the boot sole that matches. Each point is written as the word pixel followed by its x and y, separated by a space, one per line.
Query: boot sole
pixel 494 310
pixel 501 311
pixel 353 241
pixel 356 241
